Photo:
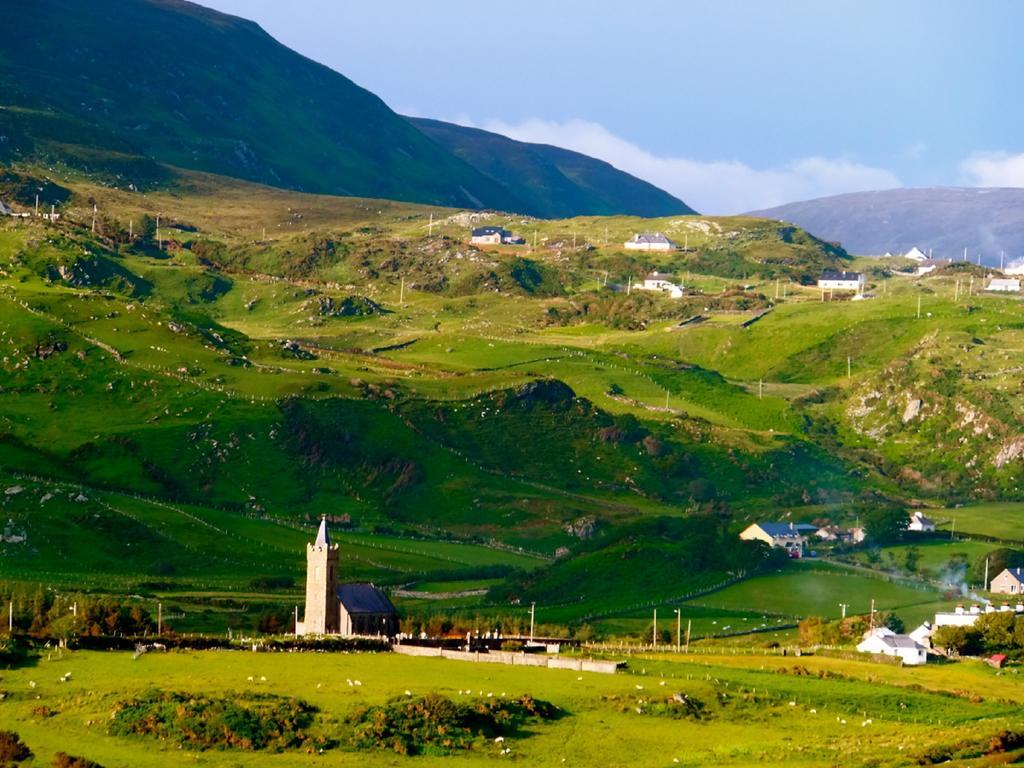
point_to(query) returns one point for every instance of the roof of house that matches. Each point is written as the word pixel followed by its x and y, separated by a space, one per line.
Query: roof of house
pixel 650 237
pixel 922 519
pixel 364 598
pixel 830 274
pixel 323 537
pixel 659 276
pixel 5 209
pixel 483 231
pixel 915 253
pixel 1017 573
pixel 776 530
pixel 900 641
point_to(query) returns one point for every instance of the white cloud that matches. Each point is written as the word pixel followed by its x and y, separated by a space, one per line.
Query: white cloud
pixel 720 187
pixel 994 169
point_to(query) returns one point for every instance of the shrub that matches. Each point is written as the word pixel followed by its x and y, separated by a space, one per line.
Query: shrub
pixel 12 748
pixel 435 724
pixel 64 760
pixel 232 721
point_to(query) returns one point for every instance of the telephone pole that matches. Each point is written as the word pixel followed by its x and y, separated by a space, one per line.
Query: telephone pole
pixel 94 218
pixel 430 226
pixel 654 630
pixel 533 608
pixel 159 618
pixel 679 623
pixel 844 606
pixel 686 648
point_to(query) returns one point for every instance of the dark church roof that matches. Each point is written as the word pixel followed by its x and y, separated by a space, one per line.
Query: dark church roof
pixel 364 598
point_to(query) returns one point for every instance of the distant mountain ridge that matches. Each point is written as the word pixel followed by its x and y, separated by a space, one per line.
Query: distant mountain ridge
pixel 561 182
pixel 985 221
pixel 180 84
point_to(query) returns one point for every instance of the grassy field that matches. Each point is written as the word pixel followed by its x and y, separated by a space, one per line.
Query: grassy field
pixel 998 520
pixel 859 713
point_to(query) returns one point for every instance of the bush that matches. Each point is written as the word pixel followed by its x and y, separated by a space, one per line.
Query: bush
pixel 435 724
pixel 232 721
pixel 12 748
pixel 64 760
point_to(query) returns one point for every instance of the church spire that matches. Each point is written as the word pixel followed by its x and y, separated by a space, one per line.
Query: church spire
pixel 323 538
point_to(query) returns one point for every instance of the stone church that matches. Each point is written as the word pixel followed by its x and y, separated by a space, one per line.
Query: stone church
pixel 349 609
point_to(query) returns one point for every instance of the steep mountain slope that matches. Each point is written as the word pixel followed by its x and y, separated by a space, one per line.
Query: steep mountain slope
pixel 551 180
pixel 192 87
pixel 111 86
pixel 944 219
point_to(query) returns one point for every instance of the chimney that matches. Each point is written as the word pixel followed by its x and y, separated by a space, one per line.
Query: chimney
pixel 989 608
pixel 1019 608
pixel 975 610
pixel 959 611
pixel 1004 607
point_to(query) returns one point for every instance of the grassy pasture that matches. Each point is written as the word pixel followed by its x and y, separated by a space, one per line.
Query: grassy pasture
pixel 817 590
pixel 752 725
pixel 1001 520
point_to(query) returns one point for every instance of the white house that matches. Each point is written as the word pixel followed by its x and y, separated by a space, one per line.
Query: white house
pixel 884 641
pixel 1009 582
pixel 923 634
pixel 494 236
pixel 787 536
pixel 915 254
pixel 658 281
pixel 920 523
pixel 841 281
pixel 649 241
pixel 1004 285
pixel 930 265
pixel 959 617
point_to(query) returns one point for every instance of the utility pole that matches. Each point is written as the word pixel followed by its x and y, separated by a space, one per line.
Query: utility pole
pixel 952 532
pixel 844 606
pixel 10 618
pixel 760 389
pixel 131 226
pixel 159 244
pixel 918 307
pixel 848 366
pixel 533 608
pixel 401 294
pixel 985 588
pixel 686 648
pixel 574 241
pixel 872 613
pixel 679 622
pixel 654 630
pixel 956 292
pixel 94 218
pixel 1001 255
pixel 777 289
pixel 629 286
pixel 159 618
pixel 296 621
pixel 37 205
pixel 430 226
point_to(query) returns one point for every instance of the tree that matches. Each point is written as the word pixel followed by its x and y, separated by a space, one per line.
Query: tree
pixel 895 623
pixel 886 524
pixel 957 640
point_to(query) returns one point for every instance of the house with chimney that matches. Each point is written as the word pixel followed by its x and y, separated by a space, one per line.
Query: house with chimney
pixel 791 537
pixel 1010 581
pixel 494 236
pixel 831 280
pixel 649 241
pixel 885 642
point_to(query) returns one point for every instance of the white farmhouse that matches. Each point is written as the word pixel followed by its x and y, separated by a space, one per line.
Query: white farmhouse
pixel 659 281
pixel 920 524
pixel 930 265
pixel 649 241
pixel 788 536
pixel 841 281
pixel 494 236
pixel 886 642
pixel 1004 285
pixel 915 254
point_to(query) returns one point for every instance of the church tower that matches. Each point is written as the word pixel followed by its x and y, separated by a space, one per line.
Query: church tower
pixel 321 585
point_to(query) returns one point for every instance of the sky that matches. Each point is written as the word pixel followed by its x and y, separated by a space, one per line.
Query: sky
pixel 731 105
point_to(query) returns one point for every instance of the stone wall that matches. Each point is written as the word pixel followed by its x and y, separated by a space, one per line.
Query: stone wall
pixel 515 659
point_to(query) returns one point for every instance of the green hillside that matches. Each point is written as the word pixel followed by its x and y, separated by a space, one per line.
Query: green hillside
pixel 554 181
pixel 213 92
pixel 267 356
